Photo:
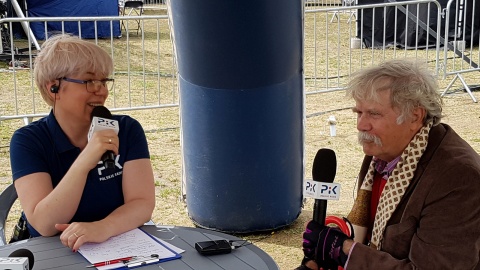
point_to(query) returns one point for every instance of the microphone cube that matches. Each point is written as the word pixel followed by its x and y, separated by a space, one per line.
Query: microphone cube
pixel 14 263
pixel 321 190
pixel 99 123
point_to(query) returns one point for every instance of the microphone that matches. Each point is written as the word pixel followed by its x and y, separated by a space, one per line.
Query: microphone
pixel 323 170
pixel 102 119
pixel 20 259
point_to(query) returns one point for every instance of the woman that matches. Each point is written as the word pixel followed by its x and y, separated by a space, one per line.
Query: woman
pixel 62 185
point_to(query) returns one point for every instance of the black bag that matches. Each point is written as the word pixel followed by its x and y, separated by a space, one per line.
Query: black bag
pixel 20 231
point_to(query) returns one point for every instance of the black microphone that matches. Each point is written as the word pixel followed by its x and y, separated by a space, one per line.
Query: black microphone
pixel 102 119
pixel 323 170
pixel 24 253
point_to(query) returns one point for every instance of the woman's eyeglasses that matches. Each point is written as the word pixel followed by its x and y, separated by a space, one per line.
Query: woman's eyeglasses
pixel 92 86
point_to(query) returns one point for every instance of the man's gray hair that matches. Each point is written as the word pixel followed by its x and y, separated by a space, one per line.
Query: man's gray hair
pixel 410 84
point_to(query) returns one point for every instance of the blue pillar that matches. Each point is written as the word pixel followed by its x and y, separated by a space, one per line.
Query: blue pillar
pixel 241 102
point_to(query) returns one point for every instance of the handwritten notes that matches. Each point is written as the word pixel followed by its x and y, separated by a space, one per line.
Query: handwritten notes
pixel 132 243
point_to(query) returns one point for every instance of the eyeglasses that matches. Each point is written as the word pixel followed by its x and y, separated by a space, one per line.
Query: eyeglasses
pixel 92 86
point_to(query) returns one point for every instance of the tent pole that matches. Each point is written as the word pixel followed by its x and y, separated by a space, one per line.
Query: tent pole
pixel 25 26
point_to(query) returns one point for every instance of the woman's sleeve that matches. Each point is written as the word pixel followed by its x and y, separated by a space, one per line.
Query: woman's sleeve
pixel 136 141
pixel 27 154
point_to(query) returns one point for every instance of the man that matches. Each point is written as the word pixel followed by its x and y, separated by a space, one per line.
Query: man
pixel 417 205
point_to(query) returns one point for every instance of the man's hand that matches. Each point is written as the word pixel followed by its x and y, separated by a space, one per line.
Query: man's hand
pixel 323 244
pixel 310 238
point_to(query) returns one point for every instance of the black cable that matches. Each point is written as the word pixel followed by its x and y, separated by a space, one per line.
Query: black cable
pixel 244 243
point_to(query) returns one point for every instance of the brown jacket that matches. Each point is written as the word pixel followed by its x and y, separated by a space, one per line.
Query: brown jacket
pixel 437 223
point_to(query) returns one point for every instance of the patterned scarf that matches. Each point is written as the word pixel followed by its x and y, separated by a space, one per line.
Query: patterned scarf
pixel 393 192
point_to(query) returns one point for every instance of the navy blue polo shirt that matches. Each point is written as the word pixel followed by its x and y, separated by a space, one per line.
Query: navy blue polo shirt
pixel 42 146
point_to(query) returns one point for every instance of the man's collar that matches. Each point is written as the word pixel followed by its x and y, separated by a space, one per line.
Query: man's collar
pixel 384 167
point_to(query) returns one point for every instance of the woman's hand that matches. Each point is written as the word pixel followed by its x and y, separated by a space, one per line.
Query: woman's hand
pixel 76 234
pixel 100 142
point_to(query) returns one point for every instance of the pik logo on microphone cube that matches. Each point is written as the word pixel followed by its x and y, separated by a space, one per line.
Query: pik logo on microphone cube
pixel 108 123
pixel 327 189
pixel 311 187
pixel 321 190
pixel 14 263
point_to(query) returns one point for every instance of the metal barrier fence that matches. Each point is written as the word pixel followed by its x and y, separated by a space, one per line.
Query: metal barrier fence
pixel 154 3
pixel 342 39
pixel 317 3
pixel 462 34
pixel 339 39
pixel 145 72
pixel 337 45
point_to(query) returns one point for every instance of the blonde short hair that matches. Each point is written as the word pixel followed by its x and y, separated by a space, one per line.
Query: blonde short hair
pixel 65 55
pixel 411 85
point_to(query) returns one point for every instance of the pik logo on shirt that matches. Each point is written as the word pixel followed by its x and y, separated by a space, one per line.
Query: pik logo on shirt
pixel 101 169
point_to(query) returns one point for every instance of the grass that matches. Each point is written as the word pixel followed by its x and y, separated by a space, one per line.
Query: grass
pixel 162 126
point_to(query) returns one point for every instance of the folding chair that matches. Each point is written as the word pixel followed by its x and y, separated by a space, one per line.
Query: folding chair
pixel 7 198
pixel 132 8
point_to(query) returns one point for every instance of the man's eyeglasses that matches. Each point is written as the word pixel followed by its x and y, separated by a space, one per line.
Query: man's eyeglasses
pixel 92 86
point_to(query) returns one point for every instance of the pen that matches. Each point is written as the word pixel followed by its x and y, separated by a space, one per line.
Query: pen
pixel 142 262
pixel 121 260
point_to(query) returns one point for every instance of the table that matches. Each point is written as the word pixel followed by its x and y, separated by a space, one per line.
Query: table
pixel 49 252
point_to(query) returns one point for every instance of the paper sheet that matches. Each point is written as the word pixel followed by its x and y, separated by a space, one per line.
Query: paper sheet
pixel 132 243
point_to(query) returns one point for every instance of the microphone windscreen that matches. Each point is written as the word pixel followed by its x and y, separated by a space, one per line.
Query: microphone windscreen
pixel 102 112
pixel 24 253
pixel 324 166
